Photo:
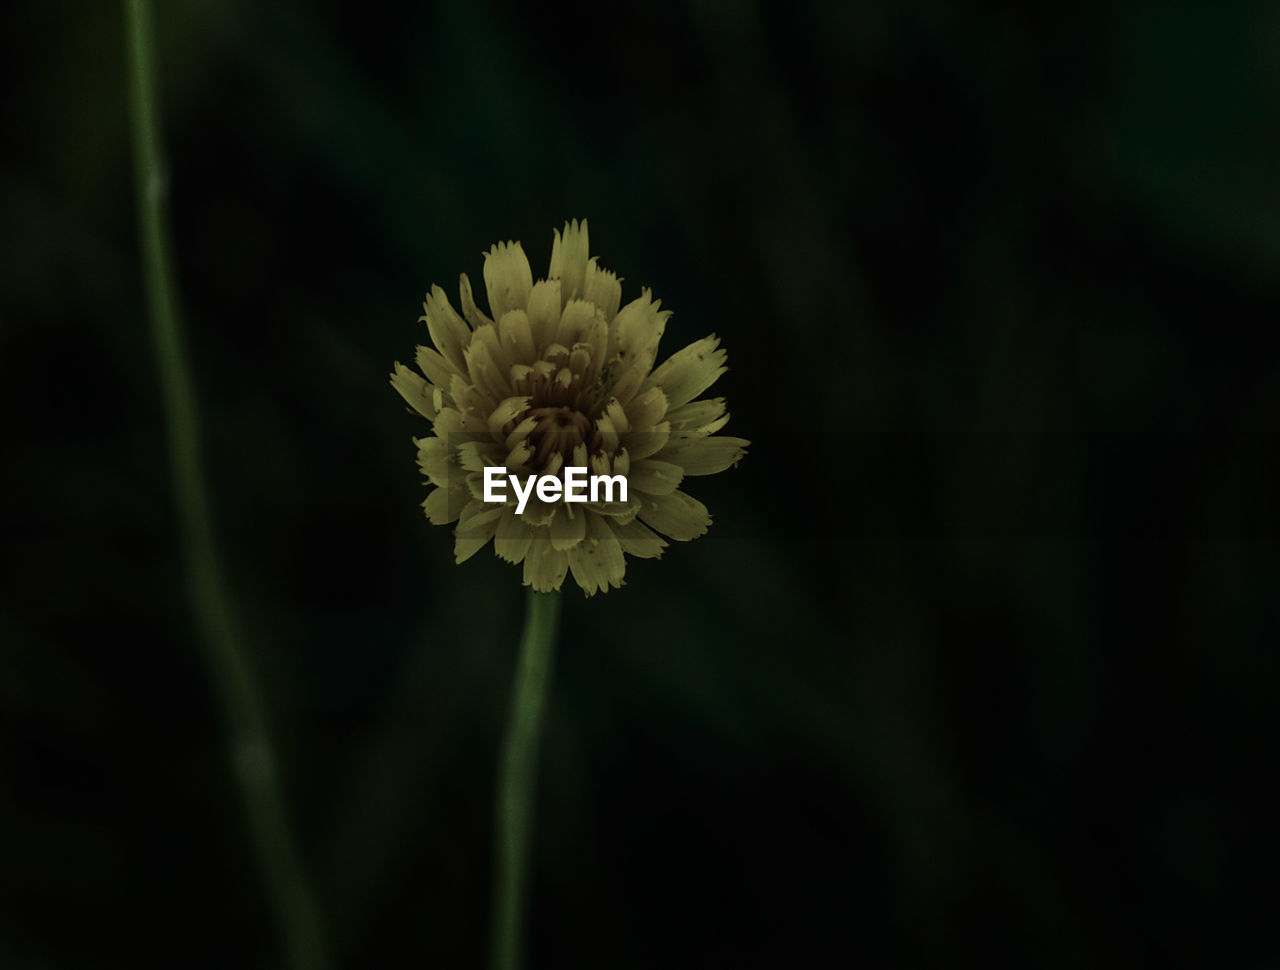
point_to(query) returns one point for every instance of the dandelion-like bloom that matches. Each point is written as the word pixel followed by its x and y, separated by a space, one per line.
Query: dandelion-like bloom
pixel 560 376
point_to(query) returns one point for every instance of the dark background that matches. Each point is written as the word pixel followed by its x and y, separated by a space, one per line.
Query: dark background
pixel 977 661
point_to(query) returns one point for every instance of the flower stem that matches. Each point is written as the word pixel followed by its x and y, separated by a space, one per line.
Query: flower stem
pixel 517 775
pixel 252 761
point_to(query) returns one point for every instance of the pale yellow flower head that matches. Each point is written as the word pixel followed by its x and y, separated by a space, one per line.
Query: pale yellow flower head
pixel 556 375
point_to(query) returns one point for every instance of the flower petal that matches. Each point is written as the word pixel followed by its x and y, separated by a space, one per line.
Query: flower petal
pixel 444 505
pixel 475 486
pixel 507 410
pixel 642 444
pixel 608 433
pixel 680 516
pixel 519 455
pixel 544 567
pixel 602 288
pixel 511 541
pixel 593 340
pixel 516 336
pixel 636 330
pixel 521 431
pixel 487 337
pixel 448 332
pixel 544 311
pixel 485 372
pixel 472 400
pixel 420 395
pixel 697 414
pixel 626 380
pixel 689 372
pixel 475 456
pixel 478 519
pixel 647 409
pixel 476 526
pixel 575 322
pixel 568 527
pixel 705 456
pixel 469 309
pixel 618 415
pixel 464 547
pixel 507 278
pixel 448 425
pixel 538 513
pixel 639 540
pixel 617 511
pixel 438 370
pixel 598 563
pixel 436 462
pixel 569 260
pixel 653 477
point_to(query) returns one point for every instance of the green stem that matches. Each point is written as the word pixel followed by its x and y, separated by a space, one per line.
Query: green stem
pixel 517 777
pixel 253 764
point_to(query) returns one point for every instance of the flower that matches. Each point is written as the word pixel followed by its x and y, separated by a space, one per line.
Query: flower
pixel 558 375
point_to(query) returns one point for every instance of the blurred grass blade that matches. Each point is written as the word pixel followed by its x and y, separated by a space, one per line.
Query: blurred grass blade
pixel 251 753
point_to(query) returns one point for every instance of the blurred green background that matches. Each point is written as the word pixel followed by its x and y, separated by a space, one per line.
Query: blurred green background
pixel 976 663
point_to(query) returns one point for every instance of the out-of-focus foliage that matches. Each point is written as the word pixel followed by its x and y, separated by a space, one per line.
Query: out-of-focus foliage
pixel 972 664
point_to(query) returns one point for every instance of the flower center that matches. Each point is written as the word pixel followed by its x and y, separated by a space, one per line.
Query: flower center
pixel 559 431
